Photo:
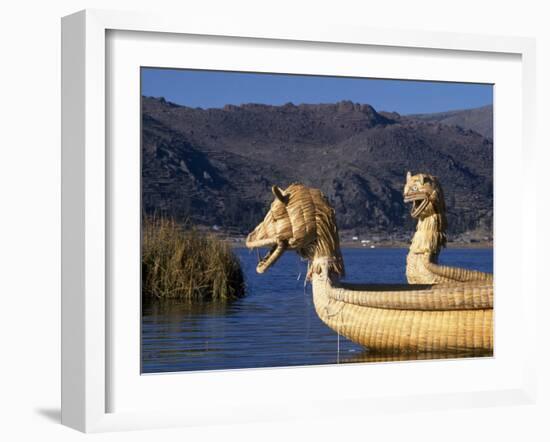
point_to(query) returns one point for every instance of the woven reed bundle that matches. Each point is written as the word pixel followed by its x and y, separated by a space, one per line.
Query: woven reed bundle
pixel 426 194
pixel 415 297
pixel 459 274
pixel 402 330
pixel 455 317
pixel 301 219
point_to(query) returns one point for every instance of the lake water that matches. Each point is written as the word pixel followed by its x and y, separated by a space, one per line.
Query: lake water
pixel 275 324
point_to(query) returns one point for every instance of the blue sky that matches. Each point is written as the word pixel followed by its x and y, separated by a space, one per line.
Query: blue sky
pixel 208 89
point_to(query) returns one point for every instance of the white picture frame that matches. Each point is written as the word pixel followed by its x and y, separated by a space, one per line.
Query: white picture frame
pixel 87 208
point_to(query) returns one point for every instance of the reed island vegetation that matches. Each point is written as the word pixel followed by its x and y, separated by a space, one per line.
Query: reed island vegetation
pixel 182 263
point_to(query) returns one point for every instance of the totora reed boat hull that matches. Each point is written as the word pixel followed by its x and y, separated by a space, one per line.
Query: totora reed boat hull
pixel 382 329
pixel 443 310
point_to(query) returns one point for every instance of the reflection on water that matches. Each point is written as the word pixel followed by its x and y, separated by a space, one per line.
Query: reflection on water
pixel 275 324
pixel 366 356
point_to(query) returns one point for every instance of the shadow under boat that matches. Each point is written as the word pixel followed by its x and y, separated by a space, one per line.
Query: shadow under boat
pixel 373 356
pixel 401 287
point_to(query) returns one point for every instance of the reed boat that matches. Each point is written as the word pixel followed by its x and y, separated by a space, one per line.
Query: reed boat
pixel 444 309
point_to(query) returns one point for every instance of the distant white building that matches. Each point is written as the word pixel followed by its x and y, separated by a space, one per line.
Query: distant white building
pixel 365 241
pixel 355 238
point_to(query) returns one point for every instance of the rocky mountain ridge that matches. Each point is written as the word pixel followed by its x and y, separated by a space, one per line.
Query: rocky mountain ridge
pixel 479 119
pixel 216 166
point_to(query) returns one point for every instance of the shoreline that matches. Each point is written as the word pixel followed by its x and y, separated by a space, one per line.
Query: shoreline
pixel 406 245
pixel 236 243
pixel 471 240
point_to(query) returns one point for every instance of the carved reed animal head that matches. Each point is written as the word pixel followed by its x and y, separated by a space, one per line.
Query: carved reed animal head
pixel 426 195
pixel 300 218
pixel 428 203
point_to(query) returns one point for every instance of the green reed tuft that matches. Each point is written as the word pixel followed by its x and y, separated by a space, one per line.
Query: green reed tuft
pixel 181 263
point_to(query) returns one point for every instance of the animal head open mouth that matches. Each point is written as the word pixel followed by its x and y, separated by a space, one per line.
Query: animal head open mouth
pixel 274 232
pixel 419 202
pixel 301 219
pixel 290 224
pixel 277 248
pixel 419 190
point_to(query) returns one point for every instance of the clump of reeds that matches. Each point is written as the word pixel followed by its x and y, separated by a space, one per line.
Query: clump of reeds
pixel 180 262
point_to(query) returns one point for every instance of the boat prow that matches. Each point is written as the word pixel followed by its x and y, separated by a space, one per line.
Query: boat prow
pixel 408 318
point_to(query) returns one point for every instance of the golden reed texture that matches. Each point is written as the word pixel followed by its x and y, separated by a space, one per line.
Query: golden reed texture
pixel 456 317
pixel 428 207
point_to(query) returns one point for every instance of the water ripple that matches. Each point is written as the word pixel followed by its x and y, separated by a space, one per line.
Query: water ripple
pixel 275 324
